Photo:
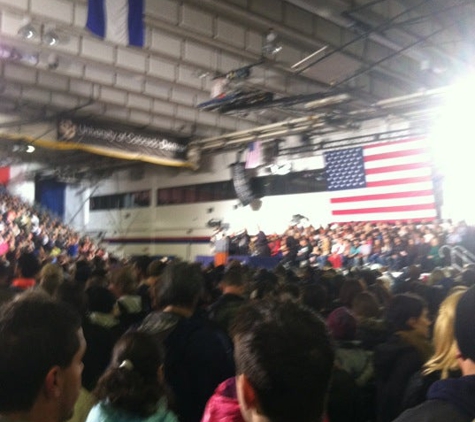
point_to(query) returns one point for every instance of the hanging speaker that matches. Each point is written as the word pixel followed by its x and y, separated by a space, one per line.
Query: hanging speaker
pixel 241 184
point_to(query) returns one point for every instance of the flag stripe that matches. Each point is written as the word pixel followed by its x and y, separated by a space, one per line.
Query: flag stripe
pixel 400 181
pixel 419 158
pixel 394 195
pixel 116 24
pixel 381 210
pixel 390 216
pixel 403 174
pixel 118 21
pixel 254 155
pixel 386 181
pixel 383 203
pixel 401 167
pixel 408 187
pixel 407 154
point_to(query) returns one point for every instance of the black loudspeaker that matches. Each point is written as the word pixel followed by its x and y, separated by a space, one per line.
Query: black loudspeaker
pixel 241 184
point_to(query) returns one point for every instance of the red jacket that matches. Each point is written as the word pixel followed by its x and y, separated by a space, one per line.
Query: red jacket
pixel 223 404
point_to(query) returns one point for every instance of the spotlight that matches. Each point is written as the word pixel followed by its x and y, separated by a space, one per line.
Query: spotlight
pixel 214 223
pixel 44 32
pixel 50 37
pixel 28 31
pixel 271 47
pixel 30 149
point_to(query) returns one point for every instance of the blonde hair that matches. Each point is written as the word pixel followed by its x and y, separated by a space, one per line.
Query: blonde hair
pixel 445 345
pixel 51 277
pixel 125 279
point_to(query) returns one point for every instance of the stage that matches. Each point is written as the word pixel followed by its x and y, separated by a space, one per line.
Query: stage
pixel 269 263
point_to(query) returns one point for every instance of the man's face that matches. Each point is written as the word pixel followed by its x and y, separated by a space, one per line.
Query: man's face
pixel 72 380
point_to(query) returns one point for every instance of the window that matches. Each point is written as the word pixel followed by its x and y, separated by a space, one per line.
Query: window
pixel 292 183
pixel 120 201
pixel 298 182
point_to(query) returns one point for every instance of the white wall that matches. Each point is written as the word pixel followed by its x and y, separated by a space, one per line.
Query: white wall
pixel 76 210
pixel 22 182
pixel 189 221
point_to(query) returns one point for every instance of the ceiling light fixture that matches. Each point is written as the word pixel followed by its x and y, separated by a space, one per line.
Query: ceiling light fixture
pixel 271 47
pixel 44 32
pixel 324 102
pixel 28 31
pixel 50 37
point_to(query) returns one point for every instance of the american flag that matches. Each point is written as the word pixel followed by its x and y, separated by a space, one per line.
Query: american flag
pixel 119 21
pixel 254 155
pixel 381 182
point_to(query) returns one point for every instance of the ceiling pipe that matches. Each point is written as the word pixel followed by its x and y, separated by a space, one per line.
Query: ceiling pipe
pixel 303 124
pixel 405 99
pixel 260 129
pixel 263 137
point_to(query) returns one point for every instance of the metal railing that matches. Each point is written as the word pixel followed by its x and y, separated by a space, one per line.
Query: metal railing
pixel 459 256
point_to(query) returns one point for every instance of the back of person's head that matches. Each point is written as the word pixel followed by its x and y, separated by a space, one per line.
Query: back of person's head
pixel 402 308
pixel 82 271
pixel 349 289
pixel 156 268
pixel 414 272
pixel 51 276
pixel 381 291
pixel 28 265
pixel 342 324
pixel 141 263
pixel 265 285
pixel 464 326
pixel 73 294
pixel 468 277
pixel 314 295
pixel 369 276
pixel 132 382
pixel 444 357
pixel 284 354
pixel 288 291
pixel 365 305
pixel 124 280
pixel 36 335
pixel 435 277
pixel 233 276
pixel 181 285
pixel 98 278
pixel 100 299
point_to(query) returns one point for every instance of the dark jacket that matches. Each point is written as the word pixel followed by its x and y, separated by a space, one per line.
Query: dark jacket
pixel 198 356
pixel 394 363
pixel 101 332
pixel 224 310
pixel 261 245
pixel 371 332
pixel 448 400
pixel 418 387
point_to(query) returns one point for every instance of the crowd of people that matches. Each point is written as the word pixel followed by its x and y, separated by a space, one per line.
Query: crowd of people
pixel 393 245
pixel 97 339
pixel 27 227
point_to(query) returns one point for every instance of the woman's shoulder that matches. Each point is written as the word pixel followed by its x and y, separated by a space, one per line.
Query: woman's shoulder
pixel 163 414
pixel 103 412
